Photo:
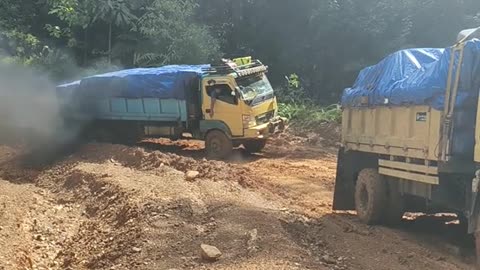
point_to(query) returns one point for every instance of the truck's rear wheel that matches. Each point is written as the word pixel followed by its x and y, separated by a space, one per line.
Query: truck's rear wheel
pixel 370 196
pixel 255 146
pixel 218 145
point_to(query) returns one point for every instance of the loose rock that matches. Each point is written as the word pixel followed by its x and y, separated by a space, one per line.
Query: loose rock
pixel 329 260
pixel 192 175
pixel 210 253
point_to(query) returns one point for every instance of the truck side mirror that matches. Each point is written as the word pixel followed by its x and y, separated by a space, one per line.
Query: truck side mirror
pixel 236 92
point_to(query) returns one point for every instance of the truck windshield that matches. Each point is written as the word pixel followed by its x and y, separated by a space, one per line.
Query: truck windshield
pixel 254 86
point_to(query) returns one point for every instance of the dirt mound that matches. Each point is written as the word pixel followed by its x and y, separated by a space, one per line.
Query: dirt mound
pixel 134 202
pixel 111 229
pixel 12 165
pixel 324 135
pixel 140 214
pixel 141 159
pixel 298 142
pixel 117 207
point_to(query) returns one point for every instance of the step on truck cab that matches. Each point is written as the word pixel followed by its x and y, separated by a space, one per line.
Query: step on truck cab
pixel 411 136
pixel 226 104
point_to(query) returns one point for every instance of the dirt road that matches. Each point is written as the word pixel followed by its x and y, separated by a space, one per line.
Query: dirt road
pixel 151 207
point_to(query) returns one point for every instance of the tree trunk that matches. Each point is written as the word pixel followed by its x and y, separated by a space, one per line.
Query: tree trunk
pixel 110 43
pixel 85 46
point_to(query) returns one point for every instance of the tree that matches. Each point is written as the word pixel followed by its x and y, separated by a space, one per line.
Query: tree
pixel 325 43
pixel 113 12
pixel 170 35
pixel 75 13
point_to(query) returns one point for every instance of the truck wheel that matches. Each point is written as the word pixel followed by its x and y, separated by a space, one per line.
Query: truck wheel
pixel 218 145
pixel 395 204
pixel 127 134
pixel 370 196
pixel 102 136
pixel 255 146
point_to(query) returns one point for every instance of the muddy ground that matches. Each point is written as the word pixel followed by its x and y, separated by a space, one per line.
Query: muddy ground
pixel 116 207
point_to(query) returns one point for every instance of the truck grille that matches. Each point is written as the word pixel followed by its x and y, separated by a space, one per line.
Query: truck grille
pixel 265 118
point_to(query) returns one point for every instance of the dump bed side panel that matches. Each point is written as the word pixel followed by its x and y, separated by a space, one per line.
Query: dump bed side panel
pixel 412 131
pixel 133 109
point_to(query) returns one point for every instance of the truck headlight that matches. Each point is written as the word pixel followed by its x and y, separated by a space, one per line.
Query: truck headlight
pixel 248 121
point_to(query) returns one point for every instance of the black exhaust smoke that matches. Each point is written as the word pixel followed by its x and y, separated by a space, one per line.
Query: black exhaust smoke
pixel 31 113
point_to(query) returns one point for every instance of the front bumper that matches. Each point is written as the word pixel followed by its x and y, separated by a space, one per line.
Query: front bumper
pixel 266 130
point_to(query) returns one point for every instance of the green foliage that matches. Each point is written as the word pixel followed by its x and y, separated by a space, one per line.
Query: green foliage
pixel 310 115
pixel 171 37
pixel 117 12
pixel 67 10
pixel 298 108
pixel 62 35
pixel 292 91
pixel 325 42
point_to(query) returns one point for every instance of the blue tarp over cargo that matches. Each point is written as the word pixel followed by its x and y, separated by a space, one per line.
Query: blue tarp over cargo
pixel 416 77
pixel 163 82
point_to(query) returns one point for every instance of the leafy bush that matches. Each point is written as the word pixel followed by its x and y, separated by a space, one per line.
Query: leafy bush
pixel 309 115
pixel 298 108
pixel 292 91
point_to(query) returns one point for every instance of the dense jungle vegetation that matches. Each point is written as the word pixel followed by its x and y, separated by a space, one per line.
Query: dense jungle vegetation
pixel 314 48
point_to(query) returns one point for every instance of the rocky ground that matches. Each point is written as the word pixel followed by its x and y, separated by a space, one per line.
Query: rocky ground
pixel 161 205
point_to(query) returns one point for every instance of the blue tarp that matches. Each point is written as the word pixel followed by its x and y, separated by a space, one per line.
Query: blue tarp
pixel 164 82
pixel 416 77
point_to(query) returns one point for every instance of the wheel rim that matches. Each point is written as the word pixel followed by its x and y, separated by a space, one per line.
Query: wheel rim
pixel 215 145
pixel 363 203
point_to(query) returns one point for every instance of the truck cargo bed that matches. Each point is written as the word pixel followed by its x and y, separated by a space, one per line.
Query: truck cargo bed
pixel 410 131
pixel 134 109
pixel 401 131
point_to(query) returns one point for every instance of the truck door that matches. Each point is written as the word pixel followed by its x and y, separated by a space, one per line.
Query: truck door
pixel 226 107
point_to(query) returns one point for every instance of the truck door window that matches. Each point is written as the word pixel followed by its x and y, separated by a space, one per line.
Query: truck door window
pixel 225 93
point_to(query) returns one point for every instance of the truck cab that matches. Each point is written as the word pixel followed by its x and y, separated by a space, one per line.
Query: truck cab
pixel 244 108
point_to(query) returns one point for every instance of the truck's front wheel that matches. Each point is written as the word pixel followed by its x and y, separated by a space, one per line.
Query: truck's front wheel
pixel 370 196
pixel 255 146
pixel 218 145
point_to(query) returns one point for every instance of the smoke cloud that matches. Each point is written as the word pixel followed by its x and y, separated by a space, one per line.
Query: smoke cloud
pixel 31 113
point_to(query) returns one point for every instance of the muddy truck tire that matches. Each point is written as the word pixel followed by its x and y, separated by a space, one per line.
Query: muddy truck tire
pixel 370 196
pixel 218 145
pixel 255 146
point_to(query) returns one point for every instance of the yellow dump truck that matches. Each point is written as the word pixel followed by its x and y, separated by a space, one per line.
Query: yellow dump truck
pixel 411 136
pixel 226 104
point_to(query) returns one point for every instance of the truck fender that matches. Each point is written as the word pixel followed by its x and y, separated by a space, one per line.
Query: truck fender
pixel 349 164
pixel 343 198
pixel 208 125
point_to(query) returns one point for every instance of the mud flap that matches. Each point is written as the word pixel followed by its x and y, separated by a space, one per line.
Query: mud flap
pixel 473 213
pixel 343 198
pixel 473 204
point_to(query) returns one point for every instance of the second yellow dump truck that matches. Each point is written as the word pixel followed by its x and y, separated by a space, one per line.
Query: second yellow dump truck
pixel 411 136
